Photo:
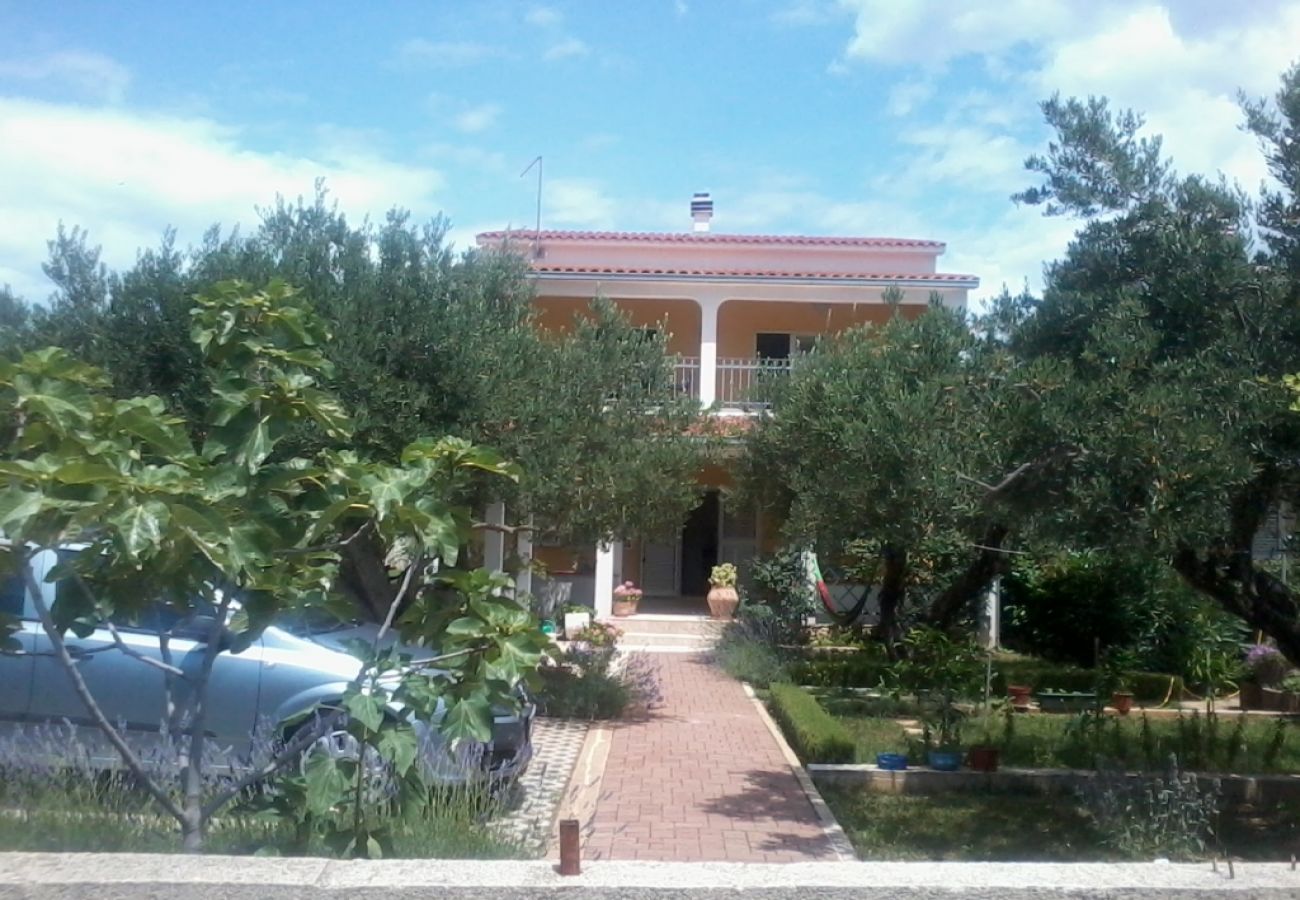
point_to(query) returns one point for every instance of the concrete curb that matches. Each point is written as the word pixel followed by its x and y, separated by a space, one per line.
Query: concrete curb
pixel 839 841
pixel 583 793
pixel 109 873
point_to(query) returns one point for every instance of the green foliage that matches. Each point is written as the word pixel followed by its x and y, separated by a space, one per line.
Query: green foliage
pixel 587 685
pixel 1147 687
pixel 723 575
pixel 1170 816
pixel 1169 334
pixel 1074 605
pixel 779 587
pixel 864 668
pixel 197 516
pixel 1210 743
pixel 813 733
pixel 423 342
pixel 939 670
pixel 745 652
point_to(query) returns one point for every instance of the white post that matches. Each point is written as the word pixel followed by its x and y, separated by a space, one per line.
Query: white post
pixel 604 587
pixel 992 618
pixel 524 550
pixel 709 349
pixel 494 541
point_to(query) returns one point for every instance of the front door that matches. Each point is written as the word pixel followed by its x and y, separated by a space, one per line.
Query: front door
pixel 700 546
pixel 660 563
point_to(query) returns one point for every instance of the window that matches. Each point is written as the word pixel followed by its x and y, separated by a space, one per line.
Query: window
pixel 782 345
pixel 11 595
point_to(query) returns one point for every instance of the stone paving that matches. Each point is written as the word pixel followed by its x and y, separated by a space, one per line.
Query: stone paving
pixel 700 777
pixel 537 795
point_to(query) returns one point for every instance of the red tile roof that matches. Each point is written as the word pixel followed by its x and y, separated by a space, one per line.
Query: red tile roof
pixel 569 269
pixel 708 237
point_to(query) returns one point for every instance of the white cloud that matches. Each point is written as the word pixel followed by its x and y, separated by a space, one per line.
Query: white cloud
pixel 543 17
pixel 680 8
pixel 421 51
pixel 1178 63
pixel 906 96
pixel 566 49
pixel 477 118
pixel 127 176
pixel 89 74
pixel 577 203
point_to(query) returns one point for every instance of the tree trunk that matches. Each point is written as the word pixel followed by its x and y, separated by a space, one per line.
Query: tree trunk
pixel 893 591
pixel 958 598
pixel 1227 572
pixel 365 577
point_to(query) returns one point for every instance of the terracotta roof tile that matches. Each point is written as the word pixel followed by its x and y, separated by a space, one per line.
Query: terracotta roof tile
pixel 693 237
pixel 566 269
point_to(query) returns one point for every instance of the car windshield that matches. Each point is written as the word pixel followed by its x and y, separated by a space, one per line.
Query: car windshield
pixel 313 621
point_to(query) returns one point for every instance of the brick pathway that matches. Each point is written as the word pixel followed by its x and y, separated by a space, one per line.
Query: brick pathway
pixel 701 778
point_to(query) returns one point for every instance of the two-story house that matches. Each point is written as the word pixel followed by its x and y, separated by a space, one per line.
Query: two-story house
pixel 737 307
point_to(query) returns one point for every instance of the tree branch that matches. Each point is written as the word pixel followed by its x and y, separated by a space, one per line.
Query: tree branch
pixel 88 700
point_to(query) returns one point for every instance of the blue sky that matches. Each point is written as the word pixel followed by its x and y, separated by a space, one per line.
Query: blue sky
pixel 863 117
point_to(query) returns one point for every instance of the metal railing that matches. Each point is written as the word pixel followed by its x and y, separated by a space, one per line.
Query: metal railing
pixel 743 383
pixel 686 372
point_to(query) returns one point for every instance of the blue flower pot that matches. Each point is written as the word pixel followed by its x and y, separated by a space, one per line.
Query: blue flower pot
pixel 893 762
pixel 945 760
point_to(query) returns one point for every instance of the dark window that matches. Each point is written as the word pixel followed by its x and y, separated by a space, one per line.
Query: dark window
pixel 11 595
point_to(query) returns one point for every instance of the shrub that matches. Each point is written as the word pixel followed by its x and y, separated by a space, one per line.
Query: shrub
pixel 1150 817
pixel 747 652
pixel 586 685
pixel 815 735
pixel 1266 665
pixel 865 668
pixel 780 583
pixel 1147 687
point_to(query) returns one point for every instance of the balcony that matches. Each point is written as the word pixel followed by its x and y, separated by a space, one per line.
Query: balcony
pixel 738 383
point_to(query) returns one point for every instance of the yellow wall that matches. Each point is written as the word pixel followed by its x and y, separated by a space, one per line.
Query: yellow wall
pixel 740 320
pixel 682 318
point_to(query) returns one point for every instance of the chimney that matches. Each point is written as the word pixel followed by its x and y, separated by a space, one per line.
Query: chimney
pixel 701 210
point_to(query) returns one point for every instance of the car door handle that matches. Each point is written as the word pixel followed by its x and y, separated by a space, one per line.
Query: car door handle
pixel 80 654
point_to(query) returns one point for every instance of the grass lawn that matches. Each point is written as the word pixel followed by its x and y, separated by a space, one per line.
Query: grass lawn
pixel 1000 827
pixel 1222 743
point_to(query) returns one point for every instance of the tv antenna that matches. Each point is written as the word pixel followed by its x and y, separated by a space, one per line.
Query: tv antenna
pixel 537 230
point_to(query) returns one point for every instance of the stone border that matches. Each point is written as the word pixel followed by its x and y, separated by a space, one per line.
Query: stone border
pixel 112 875
pixel 583 792
pixel 1265 790
pixel 835 836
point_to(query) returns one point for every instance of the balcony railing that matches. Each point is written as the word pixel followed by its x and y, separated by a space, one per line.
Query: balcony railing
pixel 743 383
pixel 687 372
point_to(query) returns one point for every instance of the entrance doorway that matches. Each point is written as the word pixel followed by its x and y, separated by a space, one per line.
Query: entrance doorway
pixel 715 532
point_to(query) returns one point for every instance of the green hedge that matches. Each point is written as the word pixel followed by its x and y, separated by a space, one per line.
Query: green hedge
pixel 1147 687
pixel 864 670
pixel 839 670
pixel 813 732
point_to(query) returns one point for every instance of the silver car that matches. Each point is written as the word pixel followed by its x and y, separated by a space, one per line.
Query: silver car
pixel 280 675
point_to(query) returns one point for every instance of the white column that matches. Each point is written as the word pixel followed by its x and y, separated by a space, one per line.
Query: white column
pixel 604 588
pixel 494 541
pixel 709 349
pixel 524 550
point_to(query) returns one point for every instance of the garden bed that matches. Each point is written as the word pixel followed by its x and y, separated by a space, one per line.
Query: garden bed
pixel 1224 742
pixel 981 827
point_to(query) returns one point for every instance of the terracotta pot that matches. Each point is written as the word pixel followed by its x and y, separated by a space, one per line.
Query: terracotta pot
pixel 624 608
pixel 982 759
pixel 1122 701
pixel 1252 695
pixel 1019 694
pixel 723 602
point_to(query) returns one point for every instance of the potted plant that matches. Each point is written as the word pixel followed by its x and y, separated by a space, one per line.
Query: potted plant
pixel 1265 670
pixel 723 598
pixel 626 597
pixel 1115 678
pixel 939 670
